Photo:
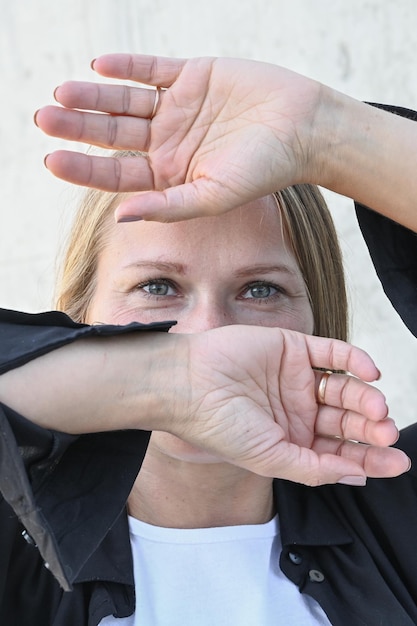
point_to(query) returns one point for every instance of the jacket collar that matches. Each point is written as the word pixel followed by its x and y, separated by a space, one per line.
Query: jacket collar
pixel 306 518
pixel 306 515
pixel 112 561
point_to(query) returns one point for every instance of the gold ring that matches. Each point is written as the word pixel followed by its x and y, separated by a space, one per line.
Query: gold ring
pixel 322 386
pixel 156 102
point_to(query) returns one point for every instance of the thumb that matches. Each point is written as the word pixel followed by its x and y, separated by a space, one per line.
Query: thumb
pixel 303 465
pixel 200 198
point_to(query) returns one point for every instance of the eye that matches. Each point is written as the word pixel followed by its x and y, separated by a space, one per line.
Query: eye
pixel 158 288
pixel 261 291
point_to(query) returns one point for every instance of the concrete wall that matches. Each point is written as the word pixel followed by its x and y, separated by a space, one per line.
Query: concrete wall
pixel 366 48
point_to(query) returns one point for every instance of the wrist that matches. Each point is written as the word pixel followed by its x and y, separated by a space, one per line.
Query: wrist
pixel 157 385
pixel 363 152
pixel 331 137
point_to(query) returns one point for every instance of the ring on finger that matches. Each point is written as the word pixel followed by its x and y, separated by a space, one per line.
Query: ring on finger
pixel 156 102
pixel 321 391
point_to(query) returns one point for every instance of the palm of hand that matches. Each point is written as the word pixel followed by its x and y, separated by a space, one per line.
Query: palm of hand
pixel 213 130
pixel 265 417
pixel 209 126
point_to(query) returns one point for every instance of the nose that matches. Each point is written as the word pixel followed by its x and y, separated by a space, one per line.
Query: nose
pixel 203 316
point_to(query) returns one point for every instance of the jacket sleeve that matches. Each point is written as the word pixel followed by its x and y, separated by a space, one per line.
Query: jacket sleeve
pixel 393 250
pixel 66 490
pixel 25 336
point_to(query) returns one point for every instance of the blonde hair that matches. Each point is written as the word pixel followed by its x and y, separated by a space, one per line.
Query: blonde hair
pixel 76 280
pixel 307 225
pixel 310 231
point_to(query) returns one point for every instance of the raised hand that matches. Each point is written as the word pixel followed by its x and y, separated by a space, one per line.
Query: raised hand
pixel 225 131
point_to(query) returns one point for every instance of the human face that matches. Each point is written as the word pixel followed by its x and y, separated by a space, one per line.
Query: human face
pixel 204 273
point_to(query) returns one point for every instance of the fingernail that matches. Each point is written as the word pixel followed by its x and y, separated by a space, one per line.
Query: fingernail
pixel 35 116
pixel 55 90
pixel 92 63
pixel 128 218
pixel 354 481
pixel 44 161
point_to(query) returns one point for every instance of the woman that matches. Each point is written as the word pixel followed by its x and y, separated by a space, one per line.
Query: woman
pixel 217 121
pixel 338 544
pixel 274 262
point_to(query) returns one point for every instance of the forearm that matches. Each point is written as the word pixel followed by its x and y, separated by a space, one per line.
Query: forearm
pixel 98 384
pixel 369 155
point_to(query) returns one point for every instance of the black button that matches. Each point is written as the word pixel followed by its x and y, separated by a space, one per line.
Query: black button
pixel 295 558
pixel 316 576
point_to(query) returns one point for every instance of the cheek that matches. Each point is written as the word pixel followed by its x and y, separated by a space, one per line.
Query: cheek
pixel 104 309
pixel 108 314
pixel 110 308
pixel 296 316
pixel 301 322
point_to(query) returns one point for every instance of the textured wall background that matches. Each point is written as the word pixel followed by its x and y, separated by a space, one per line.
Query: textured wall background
pixel 366 48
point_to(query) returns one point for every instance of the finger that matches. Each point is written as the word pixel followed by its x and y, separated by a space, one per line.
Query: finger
pixel 377 462
pixel 115 99
pixel 106 173
pixel 333 422
pixel 331 461
pixel 108 131
pixel 148 69
pixel 338 355
pixel 353 394
pixel 200 198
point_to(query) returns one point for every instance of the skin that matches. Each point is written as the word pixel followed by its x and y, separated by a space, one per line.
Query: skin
pixel 249 399
pixel 204 273
pixel 217 122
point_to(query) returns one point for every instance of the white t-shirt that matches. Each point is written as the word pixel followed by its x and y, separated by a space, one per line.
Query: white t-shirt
pixel 225 576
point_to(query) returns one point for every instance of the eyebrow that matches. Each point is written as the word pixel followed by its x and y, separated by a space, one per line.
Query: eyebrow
pixel 179 268
pixel 266 268
pixel 162 266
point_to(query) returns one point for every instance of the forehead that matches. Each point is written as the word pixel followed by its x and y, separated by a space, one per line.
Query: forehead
pixel 254 228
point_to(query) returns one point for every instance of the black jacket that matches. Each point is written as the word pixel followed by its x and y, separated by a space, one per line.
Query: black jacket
pixel 353 549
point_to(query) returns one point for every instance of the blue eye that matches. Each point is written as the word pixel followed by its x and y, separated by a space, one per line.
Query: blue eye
pixel 157 288
pixel 260 291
